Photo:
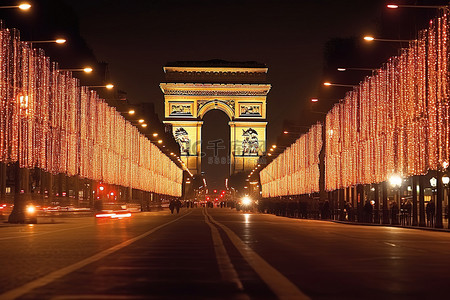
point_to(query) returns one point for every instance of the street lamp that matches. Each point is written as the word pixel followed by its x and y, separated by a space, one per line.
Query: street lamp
pixel 337 84
pixel 433 181
pixel 396 182
pixel 57 41
pixel 369 38
pixel 395 6
pixel 354 69
pixel 85 70
pixel 108 86
pixel 23 6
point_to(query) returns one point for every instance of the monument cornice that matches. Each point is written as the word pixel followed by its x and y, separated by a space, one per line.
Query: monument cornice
pixel 215 69
pixel 211 89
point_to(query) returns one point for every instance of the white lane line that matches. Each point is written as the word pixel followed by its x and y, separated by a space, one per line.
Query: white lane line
pixel 226 267
pixel 26 288
pixel 282 287
pixel 390 244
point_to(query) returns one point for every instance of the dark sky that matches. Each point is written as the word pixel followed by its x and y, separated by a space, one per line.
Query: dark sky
pixel 137 38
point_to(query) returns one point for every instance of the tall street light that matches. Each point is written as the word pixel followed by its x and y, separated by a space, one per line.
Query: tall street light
pixel 395 6
pixel 396 183
pixel 108 86
pixel 22 6
pixel 337 84
pixel 369 38
pixel 341 69
pixel 57 41
pixel 85 70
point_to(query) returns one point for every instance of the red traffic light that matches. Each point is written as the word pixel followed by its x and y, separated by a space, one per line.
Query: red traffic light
pixel 215 191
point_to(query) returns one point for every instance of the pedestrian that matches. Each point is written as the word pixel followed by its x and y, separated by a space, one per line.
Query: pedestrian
pixel 430 210
pixel 394 213
pixel 171 206
pixel 408 210
pixel 177 205
pixel 368 210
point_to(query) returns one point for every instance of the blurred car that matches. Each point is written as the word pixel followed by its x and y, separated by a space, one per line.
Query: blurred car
pixel 245 204
pixel 113 211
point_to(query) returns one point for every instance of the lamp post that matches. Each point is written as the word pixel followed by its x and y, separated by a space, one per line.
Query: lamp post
pixel 338 84
pixel 395 6
pixel 396 182
pixel 23 6
pixel 446 181
pixel 369 38
pixel 437 184
pixel 109 86
pixel 56 41
pixel 85 70
pixel 341 69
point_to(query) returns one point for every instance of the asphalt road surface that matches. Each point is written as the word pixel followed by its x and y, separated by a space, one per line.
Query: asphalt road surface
pixel 220 254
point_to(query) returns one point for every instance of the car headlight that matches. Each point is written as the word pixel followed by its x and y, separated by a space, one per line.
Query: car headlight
pixel 246 200
pixel 31 209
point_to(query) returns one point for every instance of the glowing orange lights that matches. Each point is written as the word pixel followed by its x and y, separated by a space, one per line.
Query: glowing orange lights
pixel 397 121
pixel 296 170
pixel 52 123
pixel 24 6
pixel 392 6
pixel 395 124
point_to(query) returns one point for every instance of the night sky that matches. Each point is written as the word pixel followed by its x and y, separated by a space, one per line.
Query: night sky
pixel 301 42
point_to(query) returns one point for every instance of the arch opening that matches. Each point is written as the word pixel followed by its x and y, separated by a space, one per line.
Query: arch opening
pixel 215 146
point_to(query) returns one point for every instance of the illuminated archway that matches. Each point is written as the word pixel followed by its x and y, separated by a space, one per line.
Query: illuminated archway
pixel 238 90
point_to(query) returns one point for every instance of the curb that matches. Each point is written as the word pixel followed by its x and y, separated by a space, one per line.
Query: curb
pixel 390 225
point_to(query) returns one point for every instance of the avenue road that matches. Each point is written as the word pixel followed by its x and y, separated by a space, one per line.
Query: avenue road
pixel 220 254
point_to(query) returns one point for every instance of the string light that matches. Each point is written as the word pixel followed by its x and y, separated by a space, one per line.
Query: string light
pixel 48 121
pixel 396 121
pixel 296 170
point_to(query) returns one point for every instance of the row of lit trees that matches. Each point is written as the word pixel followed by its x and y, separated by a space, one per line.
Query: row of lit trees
pixel 396 122
pixel 296 170
pixel 49 121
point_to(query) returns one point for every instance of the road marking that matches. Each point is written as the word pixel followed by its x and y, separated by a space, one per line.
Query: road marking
pixel 26 288
pixel 390 244
pixel 282 287
pixel 226 268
